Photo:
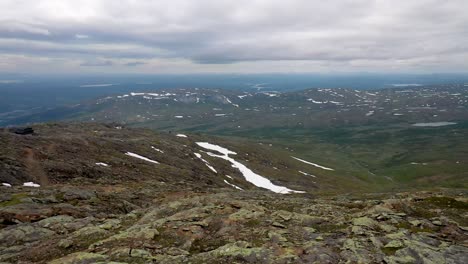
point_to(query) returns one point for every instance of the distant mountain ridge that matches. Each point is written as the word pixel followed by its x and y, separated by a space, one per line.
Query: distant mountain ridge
pixel 313 107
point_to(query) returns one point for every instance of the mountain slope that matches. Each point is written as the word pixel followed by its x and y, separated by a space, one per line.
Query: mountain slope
pixel 107 154
pixel 94 193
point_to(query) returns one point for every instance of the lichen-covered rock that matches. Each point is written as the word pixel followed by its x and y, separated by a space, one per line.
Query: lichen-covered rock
pixel 242 251
pixel 88 232
pixel 110 224
pixel 365 221
pixel 80 258
pixel 238 227
pixel 55 220
pixel 394 244
pixel 140 253
pixel 76 193
pixel 65 243
pixel 23 233
pixel 25 212
pixel 246 214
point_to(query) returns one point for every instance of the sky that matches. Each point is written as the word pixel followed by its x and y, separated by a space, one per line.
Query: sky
pixel 238 36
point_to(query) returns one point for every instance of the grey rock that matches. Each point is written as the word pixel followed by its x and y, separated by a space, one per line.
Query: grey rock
pixel 23 233
pixel 80 258
pixel 65 243
pixel 75 193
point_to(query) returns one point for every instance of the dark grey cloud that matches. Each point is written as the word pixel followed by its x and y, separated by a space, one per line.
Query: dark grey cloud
pixel 97 63
pixel 347 33
pixel 134 64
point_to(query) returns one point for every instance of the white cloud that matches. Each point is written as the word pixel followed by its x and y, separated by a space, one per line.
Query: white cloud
pixel 80 36
pixel 242 35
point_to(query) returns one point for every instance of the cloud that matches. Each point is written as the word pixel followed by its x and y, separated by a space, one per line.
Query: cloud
pixel 21 27
pixel 320 35
pixel 134 64
pixel 80 36
pixel 97 63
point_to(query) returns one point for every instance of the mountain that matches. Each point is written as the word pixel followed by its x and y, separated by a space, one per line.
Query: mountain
pixel 406 136
pixel 310 108
pixel 106 193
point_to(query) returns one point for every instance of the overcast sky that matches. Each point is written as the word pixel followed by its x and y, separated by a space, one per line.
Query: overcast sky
pixel 247 36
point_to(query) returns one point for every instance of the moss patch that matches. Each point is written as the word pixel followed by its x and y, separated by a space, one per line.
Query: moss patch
pixel 445 202
pixel 15 199
pixel 390 251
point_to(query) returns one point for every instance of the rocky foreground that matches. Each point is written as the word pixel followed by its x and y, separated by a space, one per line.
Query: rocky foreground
pixel 153 223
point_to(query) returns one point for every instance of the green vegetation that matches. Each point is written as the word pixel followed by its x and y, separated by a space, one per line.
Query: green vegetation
pixel 390 251
pixel 445 202
pixel 15 199
pixel 377 151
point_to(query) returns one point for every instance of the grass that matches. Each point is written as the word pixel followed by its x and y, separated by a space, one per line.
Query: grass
pixel 329 228
pixel 445 202
pixel 15 199
pixel 371 158
pixel 414 229
pixel 205 245
pixel 252 223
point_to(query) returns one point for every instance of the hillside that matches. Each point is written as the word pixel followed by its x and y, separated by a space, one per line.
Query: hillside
pixel 408 136
pixel 108 154
pixel 93 193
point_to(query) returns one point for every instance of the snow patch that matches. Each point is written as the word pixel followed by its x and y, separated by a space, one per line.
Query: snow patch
pixel 235 186
pixel 434 124
pixel 181 135
pixel 31 184
pixel 417 163
pixel 102 164
pixel 307 174
pixel 313 164
pixel 217 148
pixel 248 174
pixel 158 150
pixel 131 154
pixel 315 102
pixel 6 184
pixel 206 162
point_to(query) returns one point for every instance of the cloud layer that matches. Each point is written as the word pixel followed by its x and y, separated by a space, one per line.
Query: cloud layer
pixel 234 36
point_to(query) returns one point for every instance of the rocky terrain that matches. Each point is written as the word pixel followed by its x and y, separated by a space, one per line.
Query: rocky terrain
pixel 152 223
pixel 91 193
